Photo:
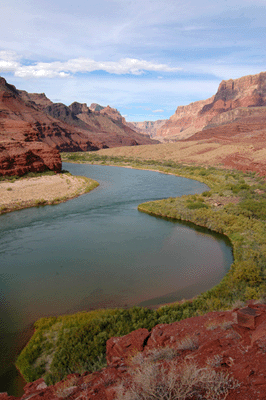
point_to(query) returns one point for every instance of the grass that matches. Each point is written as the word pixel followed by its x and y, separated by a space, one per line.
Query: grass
pixel 234 206
pixel 14 178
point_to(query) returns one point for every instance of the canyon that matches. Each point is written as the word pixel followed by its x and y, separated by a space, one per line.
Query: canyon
pixel 34 130
pixel 227 130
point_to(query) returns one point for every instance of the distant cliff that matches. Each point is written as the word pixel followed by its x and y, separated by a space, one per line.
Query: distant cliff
pixel 245 93
pixel 149 128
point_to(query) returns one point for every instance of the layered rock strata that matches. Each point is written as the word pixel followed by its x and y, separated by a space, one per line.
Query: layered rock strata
pixel 21 150
pixel 246 93
pixel 34 129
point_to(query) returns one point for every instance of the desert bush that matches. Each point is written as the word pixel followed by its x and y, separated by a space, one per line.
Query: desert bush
pixel 77 343
pixel 175 381
pixel 162 353
pixel 188 343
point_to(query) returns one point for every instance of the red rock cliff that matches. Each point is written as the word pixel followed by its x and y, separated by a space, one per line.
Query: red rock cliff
pixel 21 151
pixel 246 92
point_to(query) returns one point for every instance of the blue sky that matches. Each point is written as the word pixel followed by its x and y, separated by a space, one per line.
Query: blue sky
pixel 143 57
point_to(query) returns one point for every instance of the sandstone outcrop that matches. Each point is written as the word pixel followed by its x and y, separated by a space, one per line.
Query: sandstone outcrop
pixel 65 114
pixel 96 107
pixel 113 113
pixel 184 122
pixel 33 99
pixel 21 150
pixel 247 93
pixel 20 157
pixel 82 128
pixel 108 125
pixel 227 348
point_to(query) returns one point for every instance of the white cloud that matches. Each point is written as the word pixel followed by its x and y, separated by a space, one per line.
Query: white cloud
pixel 133 66
pixel 62 39
pixel 8 61
pixel 158 111
pixel 39 72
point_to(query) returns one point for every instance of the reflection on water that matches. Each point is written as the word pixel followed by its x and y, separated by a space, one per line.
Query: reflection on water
pixel 99 251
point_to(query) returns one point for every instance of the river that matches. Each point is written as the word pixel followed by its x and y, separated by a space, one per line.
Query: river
pixel 97 250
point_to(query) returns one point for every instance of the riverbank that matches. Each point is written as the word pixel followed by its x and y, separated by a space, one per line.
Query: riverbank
pixel 234 206
pixel 28 192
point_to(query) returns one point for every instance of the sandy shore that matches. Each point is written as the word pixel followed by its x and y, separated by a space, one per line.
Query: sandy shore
pixel 30 192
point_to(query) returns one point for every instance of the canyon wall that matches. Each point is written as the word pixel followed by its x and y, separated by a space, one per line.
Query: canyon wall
pixel 21 151
pixel 34 130
pixel 247 93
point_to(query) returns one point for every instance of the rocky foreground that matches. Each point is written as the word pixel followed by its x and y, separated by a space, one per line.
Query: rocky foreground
pixel 220 355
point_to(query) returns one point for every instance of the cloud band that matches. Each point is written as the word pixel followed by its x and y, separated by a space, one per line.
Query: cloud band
pixel 9 62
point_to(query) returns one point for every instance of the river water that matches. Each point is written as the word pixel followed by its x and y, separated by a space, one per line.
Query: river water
pixel 98 251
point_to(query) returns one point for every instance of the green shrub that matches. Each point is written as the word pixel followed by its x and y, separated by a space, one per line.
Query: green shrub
pixel 253 208
pixel 196 205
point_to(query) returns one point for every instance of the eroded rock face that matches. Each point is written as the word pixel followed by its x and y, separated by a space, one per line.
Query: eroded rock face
pixel 106 126
pixel 120 349
pixel 21 150
pixel 231 343
pixel 31 117
pixel 19 158
pixel 96 107
pixel 113 113
pixel 33 99
pixel 246 92
pixel 185 121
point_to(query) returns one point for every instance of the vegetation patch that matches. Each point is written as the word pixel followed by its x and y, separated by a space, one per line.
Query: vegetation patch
pixel 14 178
pixel 77 342
pixel 233 206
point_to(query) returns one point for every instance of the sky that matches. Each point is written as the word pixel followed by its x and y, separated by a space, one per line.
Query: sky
pixel 143 57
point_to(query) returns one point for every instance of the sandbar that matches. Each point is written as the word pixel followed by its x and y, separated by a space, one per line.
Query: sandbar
pixel 36 191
